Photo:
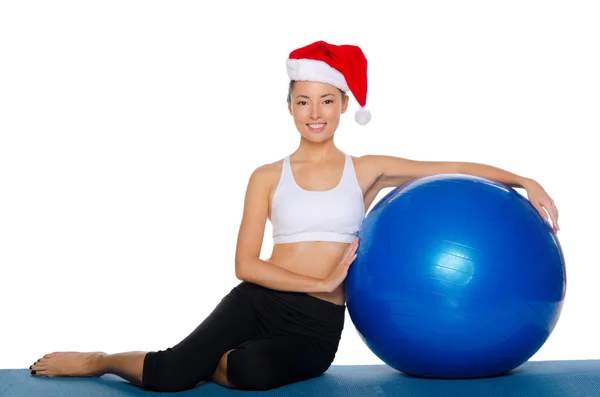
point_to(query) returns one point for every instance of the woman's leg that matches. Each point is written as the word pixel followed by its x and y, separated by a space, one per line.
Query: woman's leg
pixel 220 374
pixel 177 368
pixel 269 363
pixel 300 343
pixel 196 358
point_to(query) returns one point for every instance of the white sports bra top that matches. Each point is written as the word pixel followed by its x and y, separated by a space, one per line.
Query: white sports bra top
pixel 307 215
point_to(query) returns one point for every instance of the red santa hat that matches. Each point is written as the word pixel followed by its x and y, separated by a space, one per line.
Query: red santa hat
pixel 342 66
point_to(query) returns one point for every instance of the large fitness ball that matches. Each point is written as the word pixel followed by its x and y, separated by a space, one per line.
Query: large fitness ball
pixel 456 277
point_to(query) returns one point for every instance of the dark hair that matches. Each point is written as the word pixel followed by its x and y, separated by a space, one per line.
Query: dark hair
pixel 291 87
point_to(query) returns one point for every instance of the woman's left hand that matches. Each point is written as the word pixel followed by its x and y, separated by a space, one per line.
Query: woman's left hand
pixel 541 200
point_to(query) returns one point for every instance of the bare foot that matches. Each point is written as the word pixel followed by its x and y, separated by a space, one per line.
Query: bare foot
pixel 69 364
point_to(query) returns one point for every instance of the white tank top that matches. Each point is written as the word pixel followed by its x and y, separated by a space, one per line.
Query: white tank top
pixel 307 215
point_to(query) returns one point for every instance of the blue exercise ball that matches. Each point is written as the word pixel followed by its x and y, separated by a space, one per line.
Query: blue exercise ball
pixel 456 276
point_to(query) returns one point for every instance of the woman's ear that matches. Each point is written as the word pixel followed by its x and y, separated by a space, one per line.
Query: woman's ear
pixel 345 102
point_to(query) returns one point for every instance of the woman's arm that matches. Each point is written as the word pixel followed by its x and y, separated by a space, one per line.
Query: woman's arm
pixel 391 171
pixel 248 265
pixel 495 174
pixel 274 277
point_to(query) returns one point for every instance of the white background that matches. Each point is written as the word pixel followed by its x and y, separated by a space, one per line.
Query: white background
pixel 129 130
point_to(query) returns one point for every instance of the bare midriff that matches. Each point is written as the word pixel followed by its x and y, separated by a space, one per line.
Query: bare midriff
pixel 314 259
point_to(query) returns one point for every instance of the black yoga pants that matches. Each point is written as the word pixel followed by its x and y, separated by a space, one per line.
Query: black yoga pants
pixel 279 338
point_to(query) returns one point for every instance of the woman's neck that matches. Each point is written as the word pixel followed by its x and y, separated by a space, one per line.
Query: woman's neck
pixel 316 152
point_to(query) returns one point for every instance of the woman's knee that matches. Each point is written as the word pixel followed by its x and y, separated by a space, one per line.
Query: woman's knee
pixel 166 373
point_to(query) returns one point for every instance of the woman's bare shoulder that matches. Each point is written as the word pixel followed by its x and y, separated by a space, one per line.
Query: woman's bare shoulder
pixel 367 161
pixel 267 174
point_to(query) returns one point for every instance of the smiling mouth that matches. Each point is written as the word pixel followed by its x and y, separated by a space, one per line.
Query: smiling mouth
pixel 317 127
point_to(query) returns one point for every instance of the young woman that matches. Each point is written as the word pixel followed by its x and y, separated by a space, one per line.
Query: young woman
pixel 283 322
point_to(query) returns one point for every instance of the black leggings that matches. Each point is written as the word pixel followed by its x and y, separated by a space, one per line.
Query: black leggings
pixel 279 338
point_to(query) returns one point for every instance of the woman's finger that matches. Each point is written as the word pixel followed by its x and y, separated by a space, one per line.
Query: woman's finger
pixel 555 211
pixel 351 248
pixel 345 259
pixel 553 215
pixel 541 211
pixel 351 259
pixel 554 220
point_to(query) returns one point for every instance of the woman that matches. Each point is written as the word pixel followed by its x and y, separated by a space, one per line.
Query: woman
pixel 283 322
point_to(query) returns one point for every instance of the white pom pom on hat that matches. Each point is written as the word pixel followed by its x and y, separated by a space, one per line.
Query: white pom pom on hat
pixel 362 116
pixel 343 66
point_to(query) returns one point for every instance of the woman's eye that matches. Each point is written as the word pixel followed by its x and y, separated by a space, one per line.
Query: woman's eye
pixel 327 101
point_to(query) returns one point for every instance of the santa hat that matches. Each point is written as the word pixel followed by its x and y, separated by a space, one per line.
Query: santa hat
pixel 342 66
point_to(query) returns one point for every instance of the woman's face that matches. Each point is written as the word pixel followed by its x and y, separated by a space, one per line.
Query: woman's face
pixel 316 108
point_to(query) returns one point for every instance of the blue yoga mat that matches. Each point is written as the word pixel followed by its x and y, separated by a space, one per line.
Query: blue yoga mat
pixel 532 379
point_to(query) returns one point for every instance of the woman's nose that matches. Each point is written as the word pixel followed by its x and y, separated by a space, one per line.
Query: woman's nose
pixel 315 112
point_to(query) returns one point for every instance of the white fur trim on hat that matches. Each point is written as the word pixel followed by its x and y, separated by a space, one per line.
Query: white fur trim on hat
pixel 313 70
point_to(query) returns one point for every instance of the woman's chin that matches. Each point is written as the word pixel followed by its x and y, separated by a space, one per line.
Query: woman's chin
pixel 317 137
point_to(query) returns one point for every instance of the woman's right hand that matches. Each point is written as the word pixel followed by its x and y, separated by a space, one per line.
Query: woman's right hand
pixel 339 273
